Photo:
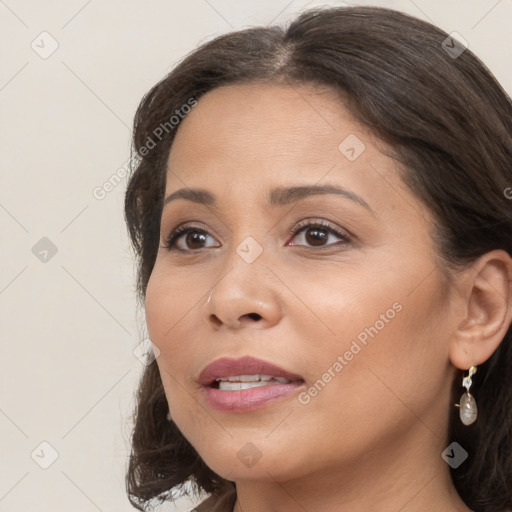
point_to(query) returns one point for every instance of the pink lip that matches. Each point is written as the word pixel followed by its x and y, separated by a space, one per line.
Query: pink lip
pixel 247 399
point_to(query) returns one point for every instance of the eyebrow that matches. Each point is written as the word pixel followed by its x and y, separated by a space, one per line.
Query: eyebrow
pixel 278 196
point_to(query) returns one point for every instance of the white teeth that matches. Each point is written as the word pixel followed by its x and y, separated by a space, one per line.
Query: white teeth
pixel 239 386
pixel 247 378
pixel 239 382
pixel 244 378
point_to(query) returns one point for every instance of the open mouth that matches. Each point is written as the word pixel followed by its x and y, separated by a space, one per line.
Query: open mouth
pixel 241 382
pixel 247 383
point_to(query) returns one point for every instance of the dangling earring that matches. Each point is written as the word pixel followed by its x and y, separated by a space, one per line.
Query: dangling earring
pixel 468 410
pixel 169 416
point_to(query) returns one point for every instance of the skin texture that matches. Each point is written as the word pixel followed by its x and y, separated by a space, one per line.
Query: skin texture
pixel 372 438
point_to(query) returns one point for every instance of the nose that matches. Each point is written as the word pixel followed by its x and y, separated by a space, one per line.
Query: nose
pixel 243 297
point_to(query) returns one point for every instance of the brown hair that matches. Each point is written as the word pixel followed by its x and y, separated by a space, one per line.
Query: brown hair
pixel 450 124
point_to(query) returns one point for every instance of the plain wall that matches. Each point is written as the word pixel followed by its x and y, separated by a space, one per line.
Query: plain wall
pixel 68 312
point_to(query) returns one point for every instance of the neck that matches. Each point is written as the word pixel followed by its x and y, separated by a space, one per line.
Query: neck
pixel 409 476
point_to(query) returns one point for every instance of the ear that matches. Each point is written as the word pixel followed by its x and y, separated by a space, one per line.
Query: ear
pixel 487 310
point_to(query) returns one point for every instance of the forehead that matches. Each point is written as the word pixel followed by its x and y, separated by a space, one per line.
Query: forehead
pixel 246 139
pixel 266 123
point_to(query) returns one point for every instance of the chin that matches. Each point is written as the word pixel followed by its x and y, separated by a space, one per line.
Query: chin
pixel 243 459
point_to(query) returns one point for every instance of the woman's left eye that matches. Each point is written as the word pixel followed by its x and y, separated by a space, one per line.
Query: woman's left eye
pixel 317 233
pixel 314 234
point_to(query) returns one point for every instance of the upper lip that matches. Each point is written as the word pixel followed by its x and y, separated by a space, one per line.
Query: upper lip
pixel 227 367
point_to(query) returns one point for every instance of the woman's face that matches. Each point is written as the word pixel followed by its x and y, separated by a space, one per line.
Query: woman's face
pixel 355 307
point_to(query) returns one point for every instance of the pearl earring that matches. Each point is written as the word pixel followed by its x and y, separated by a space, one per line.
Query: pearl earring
pixel 468 410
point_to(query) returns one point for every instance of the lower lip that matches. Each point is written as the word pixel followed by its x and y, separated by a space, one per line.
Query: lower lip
pixel 249 399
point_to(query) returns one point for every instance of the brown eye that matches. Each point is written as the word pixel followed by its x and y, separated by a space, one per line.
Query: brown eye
pixel 194 239
pixel 191 238
pixel 316 234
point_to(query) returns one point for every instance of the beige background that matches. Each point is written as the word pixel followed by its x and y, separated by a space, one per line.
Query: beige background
pixel 69 320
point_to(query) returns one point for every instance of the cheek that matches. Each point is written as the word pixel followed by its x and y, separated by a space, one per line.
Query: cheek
pixel 170 314
pixel 345 314
pixel 385 364
pixel 172 307
pixel 173 311
pixel 159 309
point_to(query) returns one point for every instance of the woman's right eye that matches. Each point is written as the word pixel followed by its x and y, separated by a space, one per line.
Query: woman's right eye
pixel 188 236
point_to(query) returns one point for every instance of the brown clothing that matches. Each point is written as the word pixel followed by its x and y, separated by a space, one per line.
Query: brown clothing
pixel 223 503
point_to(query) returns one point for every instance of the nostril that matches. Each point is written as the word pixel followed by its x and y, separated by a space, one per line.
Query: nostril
pixel 215 320
pixel 254 316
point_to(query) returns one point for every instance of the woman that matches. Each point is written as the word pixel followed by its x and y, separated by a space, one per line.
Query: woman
pixel 322 222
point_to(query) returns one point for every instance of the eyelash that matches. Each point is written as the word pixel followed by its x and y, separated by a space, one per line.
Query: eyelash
pixel 301 226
